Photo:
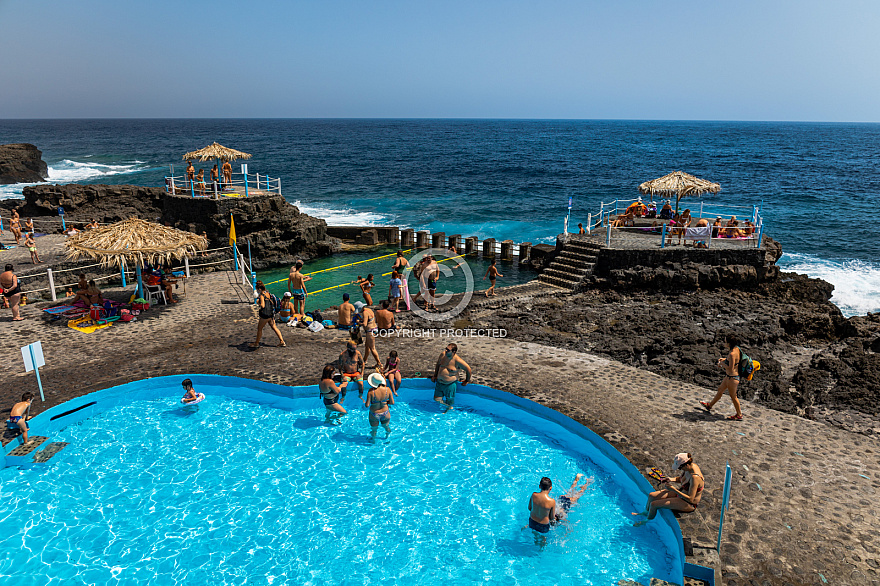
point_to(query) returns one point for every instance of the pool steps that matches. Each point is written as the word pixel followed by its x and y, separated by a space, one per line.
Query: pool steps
pixel 27 455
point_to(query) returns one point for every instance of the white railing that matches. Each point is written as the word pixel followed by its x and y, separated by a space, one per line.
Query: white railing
pixel 241 185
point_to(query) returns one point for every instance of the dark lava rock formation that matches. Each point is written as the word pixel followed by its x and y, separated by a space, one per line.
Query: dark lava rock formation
pixel 22 163
pixel 814 362
pixel 277 231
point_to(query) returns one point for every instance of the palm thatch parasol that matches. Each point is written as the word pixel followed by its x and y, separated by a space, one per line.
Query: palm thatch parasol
pixel 216 151
pixel 679 184
pixel 136 242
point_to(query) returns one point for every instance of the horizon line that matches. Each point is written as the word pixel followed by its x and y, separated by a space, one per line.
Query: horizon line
pixel 452 119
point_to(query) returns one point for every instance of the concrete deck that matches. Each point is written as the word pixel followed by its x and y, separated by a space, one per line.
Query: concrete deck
pixel 803 500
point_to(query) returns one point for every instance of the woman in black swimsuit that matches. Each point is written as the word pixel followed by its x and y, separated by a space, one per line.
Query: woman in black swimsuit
pixel 684 499
pixel 331 394
pixel 730 382
pixel 12 291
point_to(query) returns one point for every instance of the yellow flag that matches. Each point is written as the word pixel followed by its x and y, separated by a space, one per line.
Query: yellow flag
pixel 231 230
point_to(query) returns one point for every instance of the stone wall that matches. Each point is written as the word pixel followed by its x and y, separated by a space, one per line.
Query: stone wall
pixel 358 234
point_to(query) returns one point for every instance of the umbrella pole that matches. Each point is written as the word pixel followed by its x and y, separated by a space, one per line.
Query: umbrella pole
pixel 140 288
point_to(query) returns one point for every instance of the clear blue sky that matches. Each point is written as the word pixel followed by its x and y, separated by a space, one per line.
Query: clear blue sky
pixel 741 60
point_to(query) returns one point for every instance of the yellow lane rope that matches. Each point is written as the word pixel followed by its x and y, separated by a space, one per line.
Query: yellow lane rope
pixel 383 275
pixel 351 264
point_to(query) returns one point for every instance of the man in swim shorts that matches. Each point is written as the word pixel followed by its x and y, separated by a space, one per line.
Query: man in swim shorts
pixel 542 508
pixel 296 284
pixel 570 498
pixel 351 364
pixel 446 375
pixel 346 311
pixel 17 414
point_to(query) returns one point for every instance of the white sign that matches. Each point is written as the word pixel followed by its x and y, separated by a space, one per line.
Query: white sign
pixel 37 349
pixel 243 169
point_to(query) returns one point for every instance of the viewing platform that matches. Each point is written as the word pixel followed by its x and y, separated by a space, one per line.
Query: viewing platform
pixel 241 184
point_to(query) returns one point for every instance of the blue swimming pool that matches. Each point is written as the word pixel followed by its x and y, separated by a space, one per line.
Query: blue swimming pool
pixel 253 485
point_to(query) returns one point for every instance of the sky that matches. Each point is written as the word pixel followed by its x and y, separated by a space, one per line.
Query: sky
pixel 803 60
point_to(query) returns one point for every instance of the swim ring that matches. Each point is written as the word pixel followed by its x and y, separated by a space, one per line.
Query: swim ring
pixel 199 398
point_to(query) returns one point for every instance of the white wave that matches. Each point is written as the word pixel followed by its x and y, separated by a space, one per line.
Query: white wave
pixel 856 282
pixel 338 217
pixel 68 171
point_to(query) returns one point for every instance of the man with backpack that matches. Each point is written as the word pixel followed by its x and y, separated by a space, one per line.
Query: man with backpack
pixel 736 367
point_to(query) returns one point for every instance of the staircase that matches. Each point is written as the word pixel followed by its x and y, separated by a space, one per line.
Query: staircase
pixel 28 455
pixel 574 264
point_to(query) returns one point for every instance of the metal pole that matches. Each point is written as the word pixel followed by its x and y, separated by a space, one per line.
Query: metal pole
pixel 701 210
pixel 122 270
pixel 37 372
pixel 186 264
pixel 245 185
pixel 608 235
pixel 258 182
pixel 51 284
pixel 140 280
pixel 63 227
pixel 1 222
pixel 760 233
pixel 663 237
pixel 725 500
pixel 235 254
pixel 192 187
pixel 589 222
pixel 250 261
pixel 279 186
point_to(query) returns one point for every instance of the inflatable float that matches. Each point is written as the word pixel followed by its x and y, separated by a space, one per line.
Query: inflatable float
pixel 199 398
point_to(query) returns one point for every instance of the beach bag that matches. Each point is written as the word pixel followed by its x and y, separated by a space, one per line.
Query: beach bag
pixel 756 366
pixel 327 323
pixel 745 367
pixel 316 326
pixel 96 312
pixel 316 315
pixel 140 306
pixel 275 302
pixel 125 315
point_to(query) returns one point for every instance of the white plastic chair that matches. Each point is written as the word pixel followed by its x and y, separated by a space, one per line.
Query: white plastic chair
pixel 155 292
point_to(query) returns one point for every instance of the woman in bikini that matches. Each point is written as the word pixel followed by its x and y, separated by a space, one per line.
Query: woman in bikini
pixel 29 226
pixel 266 315
pixel 730 383
pixel 331 394
pixel 15 226
pixel 32 248
pixel 366 285
pixel 684 221
pixel 377 401
pixel 684 499
pixel 93 294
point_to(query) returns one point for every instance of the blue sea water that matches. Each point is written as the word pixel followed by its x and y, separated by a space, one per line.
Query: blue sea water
pixel 231 491
pixel 818 183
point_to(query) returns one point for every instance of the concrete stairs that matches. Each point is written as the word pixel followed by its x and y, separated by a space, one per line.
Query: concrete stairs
pixel 571 266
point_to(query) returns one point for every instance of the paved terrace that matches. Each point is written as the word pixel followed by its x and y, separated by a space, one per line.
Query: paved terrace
pixel 803 500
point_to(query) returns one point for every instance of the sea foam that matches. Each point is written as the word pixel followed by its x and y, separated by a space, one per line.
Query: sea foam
pixel 856 282
pixel 67 171
pixel 342 217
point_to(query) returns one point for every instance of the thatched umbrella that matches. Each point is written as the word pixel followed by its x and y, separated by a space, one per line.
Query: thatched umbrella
pixel 216 151
pixel 679 184
pixel 134 241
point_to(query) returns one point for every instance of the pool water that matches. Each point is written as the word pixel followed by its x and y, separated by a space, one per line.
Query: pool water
pixel 232 490
pixel 454 282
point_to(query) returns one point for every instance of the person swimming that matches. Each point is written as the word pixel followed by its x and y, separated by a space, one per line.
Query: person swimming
pixel 566 501
pixel 191 396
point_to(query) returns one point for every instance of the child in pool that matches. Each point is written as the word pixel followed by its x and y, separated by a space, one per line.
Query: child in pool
pixel 191 394
pixel 392 371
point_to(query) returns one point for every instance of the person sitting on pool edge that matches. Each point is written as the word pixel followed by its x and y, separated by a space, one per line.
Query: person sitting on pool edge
pixel 351 364
pixel 446 375
pixel 17 414
pixel 685 500
pixel 542 508
pixel 570 498
pixel 190 394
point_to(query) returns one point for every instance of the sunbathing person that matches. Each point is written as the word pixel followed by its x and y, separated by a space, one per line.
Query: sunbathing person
pixel 685 500
pixel 748 229
pixel 627 219
pixel 82 291
pixel 167 282
pixel 93 294
pixel 730 229
pixel 570 498
pixel 666 212
pixel 716 228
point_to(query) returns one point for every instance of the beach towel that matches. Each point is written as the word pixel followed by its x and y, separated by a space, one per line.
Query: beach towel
pixel 87 325
pixel 703 233
pixel 58 309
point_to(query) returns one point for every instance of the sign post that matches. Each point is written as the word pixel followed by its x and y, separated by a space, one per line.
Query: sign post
pixel 60 213
pixel 32 354
pixel 725 500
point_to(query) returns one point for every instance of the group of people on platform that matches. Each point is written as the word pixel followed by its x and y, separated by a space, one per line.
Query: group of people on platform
pixel 197 180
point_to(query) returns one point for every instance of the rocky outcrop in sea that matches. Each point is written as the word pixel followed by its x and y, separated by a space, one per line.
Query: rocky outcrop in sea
pixel 22 163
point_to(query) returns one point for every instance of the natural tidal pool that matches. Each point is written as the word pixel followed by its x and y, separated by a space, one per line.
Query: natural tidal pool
pixel 255 487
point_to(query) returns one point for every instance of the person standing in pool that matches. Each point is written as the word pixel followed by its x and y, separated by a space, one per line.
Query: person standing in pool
pixel 400 262
pixel 542 508
pixel 446 375
pixel 331 394
pixel 18 414
pixel 570 498
pixel 296 284
pixel 377 401
pixel 190 395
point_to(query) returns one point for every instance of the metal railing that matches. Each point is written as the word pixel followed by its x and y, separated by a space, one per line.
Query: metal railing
pixel 240 185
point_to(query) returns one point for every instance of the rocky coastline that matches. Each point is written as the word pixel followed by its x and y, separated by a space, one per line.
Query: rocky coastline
pixel 278 232
pixel 22 163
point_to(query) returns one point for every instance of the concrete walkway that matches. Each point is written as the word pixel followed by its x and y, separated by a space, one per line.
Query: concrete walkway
pixel 802 508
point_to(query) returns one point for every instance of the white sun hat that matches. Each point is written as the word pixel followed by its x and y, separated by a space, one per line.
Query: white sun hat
pixel 375 380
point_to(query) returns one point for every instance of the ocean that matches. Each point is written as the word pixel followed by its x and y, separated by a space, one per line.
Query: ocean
pixel 818 184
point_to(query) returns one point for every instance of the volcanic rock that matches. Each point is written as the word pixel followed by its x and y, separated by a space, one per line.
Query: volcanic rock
pixel 22 163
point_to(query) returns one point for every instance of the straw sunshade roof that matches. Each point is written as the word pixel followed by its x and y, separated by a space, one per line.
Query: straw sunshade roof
pixel 135 241
pixel 216 151
pixel 679 184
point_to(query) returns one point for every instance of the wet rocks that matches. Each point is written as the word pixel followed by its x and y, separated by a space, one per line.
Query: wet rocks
pixel 22 163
